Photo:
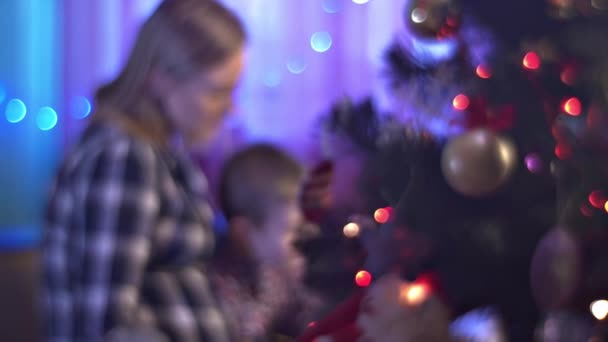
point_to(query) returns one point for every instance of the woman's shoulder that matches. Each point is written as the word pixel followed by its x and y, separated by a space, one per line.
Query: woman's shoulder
pixel 104 144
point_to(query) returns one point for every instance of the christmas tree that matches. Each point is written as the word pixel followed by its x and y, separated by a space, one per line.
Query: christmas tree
pixel 487 157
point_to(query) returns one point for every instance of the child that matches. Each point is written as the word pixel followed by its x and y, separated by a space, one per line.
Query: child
pixel 257 274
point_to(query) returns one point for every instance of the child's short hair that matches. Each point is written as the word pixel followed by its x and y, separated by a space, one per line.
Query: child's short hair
pixel 255 178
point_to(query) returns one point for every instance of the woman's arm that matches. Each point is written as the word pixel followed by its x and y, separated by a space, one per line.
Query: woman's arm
pixel 115 205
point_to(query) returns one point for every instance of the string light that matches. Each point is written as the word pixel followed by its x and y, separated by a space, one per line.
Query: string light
pixel 599 309
pixel 597 199
pixel 531 61
pixel 414 294
pixel 572 106
pixel 15 111
pixel 461 102
pixel 563 151
pixel 351 230
pixel 382 215
pixel 363 278
pixel 483 72
pixel 606 206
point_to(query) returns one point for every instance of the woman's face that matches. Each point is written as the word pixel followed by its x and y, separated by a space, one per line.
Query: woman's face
pixel 198 106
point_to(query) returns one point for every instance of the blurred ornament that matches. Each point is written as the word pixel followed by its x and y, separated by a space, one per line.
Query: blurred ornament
pixel 461 102
pixel 434 19
pixel 555 269
pixel 478 162
pixel 481 325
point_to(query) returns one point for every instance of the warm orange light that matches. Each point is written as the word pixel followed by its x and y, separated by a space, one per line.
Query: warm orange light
pixel 414 294
pixel 351 230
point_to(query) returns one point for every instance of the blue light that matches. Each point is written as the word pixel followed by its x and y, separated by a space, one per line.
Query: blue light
pixel 15 111
pixel 272 79
pixel 46 119
pixel 320 41
pixel 81 107
pixel 296 65
pixel 2 93
pixel 331 6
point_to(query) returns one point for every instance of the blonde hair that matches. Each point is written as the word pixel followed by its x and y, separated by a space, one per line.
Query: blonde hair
pixel 181 37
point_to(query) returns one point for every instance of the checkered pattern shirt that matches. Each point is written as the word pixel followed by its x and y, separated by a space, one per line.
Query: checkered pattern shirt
pixel 127 236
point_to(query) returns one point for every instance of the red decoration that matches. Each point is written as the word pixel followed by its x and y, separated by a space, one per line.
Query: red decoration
pixel 531 61
pixel 461 102
pixel 363 278
pixel 382 215
pixel 572 106
pixel 586 210
pixel 563 151
pixel 597 199
pixel 483 71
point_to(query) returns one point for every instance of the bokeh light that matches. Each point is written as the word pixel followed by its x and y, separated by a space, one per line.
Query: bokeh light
pixel 2 93
pixel 382 215
pixel 572 106
pixel 599 309
pixel 483 71
pixel 606 206
pixel 534 163
pixel 15 111
pixel 331 6
pixel 414 294
pixel 360 2
pixel 563 151
pixel 461 102
pixel 80 107
pixel 46 118
pixel 351 230
pixel 320 41
pixel 419 15
pixel 597 199
pixel 531 61
pixel 363 278
pixel 296 65
pixel 568 75
pixel 586 210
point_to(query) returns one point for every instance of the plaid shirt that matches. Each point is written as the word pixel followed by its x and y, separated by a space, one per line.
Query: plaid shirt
pixel 126 229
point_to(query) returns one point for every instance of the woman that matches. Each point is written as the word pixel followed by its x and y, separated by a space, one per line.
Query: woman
pixel 129 227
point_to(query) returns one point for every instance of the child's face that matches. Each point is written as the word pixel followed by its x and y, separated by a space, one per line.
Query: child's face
pixel 273 239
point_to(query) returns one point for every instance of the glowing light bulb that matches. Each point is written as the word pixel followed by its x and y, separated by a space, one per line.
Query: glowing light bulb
pixel 599 309
pixel 531 61
pixel 414 294
pixel 351 230
pixel 461 102
pixel 382 215
pixel 572 106
pixel 483 72
pixel 363 279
